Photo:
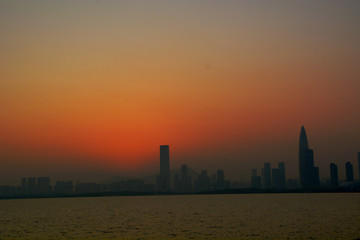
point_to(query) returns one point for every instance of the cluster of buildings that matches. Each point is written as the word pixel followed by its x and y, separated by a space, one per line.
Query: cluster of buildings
pixel 184 182
pixel 308 172
pixel 270 178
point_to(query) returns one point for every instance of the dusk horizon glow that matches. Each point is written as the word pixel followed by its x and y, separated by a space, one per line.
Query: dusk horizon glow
pixel 91 89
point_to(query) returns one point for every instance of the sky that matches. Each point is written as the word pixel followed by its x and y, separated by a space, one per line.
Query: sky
pixel 90 89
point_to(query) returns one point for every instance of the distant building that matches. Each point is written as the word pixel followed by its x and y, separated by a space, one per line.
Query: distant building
pixel 213 181
pixel 23 185
pixel 255 180
pixel 177 183
pixel 221 183
pixel 43 185
pixel 163 180
pixel 349 172
pixel 134 185
pixel 292 183
pixel 309 174
pixel 87 187
pixel 282 180
pixel 31 185
pixel 202 184
pixel 276 178
pixel 334 175
pixel 267 175
pixel 64 187
pixel 186 181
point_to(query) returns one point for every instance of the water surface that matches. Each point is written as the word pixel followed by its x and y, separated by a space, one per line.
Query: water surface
pixel 242 216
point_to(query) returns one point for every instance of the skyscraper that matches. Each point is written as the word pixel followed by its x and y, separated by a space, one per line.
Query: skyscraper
pixel 164 177
pixel 186 183
pixel 267 175
pixel 349 172
pixel 275 178
pixel 334 175
pixel 282 175
pixel 309 175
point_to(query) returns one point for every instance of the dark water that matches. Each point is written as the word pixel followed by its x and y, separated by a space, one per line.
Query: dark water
pixel 246 216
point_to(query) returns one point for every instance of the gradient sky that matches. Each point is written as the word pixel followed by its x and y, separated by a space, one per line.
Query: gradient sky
pixel 90 89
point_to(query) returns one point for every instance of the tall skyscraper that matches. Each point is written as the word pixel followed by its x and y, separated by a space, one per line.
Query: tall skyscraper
pixel 267 175
pixel 349 172
pixel 164 177
pixel 334 175
pixel 282 175
pixel 275 178
pixel 309 175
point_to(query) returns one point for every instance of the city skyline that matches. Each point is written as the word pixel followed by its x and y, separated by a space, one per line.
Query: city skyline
pixel 271 178
pixel 166 181
pixel 90 89
pixel 269 175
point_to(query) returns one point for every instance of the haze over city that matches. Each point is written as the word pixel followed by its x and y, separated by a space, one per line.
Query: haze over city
pixel 91 91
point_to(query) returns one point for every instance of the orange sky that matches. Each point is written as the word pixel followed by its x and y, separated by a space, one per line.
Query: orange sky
pixel 227 85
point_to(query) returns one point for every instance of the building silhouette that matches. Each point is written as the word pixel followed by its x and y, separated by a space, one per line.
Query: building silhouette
pixel 186 181
pixel 23 185
pixel 309 174
pixel 349 172
pixel 64 187
pixel 221 183
pixel 334 175
pixel 163 181
pixel 255 180
pixel 31 185
pixel 267 175
pixel 43 185
pixel 282 176
pixel 275 173
pixel 203 182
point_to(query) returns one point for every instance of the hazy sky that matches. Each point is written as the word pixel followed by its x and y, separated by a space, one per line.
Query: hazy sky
pixel 90 89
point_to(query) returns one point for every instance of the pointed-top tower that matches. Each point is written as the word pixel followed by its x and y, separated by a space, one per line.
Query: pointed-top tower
pixel 309 174
pixel 303 139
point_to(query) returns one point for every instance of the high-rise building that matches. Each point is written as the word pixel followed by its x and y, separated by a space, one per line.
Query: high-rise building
pixel 267 175
pixel 164 177
pixel 309 174
pixel 221 183
pixel 334 175
pixel 349 172
pixel 186 185
pixel 276 178
pixel 282 175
